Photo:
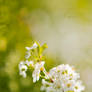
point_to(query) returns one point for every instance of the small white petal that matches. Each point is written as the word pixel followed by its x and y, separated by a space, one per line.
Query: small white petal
pixel 34 79
pixel 21 63
pixel 28 55
pixel 37 77
pixel 28 48
pixel 23 73
pixel 34 45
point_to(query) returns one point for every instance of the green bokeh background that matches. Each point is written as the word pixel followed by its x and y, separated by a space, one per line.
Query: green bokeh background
pixel 16 34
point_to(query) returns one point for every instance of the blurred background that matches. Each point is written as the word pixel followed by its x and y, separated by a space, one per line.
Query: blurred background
pixel 66 27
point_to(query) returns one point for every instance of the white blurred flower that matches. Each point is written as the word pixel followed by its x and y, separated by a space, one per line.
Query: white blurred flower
pixel 23 73
pixel 68 85
pixel 65 72
pixel 33 47
pixel 39 66
pixel 28 53
pixel 64 80
pixel 78 86
pixel 29 63
pixel 45 83
pixel 22 69
pixel 51 87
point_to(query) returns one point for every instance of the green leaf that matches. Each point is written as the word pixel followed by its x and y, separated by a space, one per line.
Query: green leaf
pixel 43 47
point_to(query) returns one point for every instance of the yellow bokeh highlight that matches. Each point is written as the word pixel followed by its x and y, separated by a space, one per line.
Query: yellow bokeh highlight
pixel 3 44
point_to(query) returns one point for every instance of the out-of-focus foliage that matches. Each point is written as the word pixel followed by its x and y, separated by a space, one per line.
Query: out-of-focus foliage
pixel 22 21
pixel 14 36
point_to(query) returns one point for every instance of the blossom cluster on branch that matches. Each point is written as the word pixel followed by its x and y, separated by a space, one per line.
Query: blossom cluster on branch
pixel 62 78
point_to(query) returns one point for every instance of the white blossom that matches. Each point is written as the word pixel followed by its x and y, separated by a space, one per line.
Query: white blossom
pixel 22 69
pixel 65 79
pixel 78 86
pixel 39 66
pixel 28 53
pixel 29 63
pixel 34 46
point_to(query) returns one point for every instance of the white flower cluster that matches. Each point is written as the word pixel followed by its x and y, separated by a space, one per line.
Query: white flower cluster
pixel 38 66
pixel 64 79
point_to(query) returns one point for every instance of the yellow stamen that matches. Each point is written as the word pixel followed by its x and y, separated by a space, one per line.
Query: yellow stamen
pixel 41 69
